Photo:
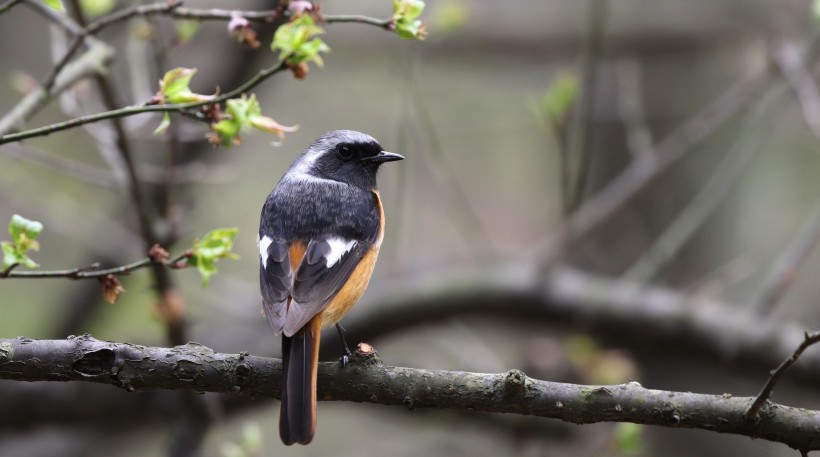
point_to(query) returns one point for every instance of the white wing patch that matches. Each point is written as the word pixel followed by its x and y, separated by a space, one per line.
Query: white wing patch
pixel 338 248
pixel 264 244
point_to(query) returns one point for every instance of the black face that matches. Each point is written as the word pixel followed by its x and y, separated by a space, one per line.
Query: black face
pixel 352 163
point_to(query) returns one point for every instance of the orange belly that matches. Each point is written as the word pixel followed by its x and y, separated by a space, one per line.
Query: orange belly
pixel 352 290
pixel 355 286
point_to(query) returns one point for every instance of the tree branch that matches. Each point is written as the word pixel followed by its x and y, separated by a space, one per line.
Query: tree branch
pixel 713 192
pixel 92 62
pixel 176 12
pixel 92 271
pixel 645 319
pixel 138 109
pixel 197 368
pixel 8 5
pixel 752 413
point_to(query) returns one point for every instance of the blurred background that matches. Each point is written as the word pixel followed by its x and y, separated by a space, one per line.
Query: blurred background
pixel 579 156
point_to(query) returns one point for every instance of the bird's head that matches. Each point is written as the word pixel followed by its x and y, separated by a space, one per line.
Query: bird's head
pixel 345 156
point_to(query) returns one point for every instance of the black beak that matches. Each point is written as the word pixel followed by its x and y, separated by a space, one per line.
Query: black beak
pixel 384 156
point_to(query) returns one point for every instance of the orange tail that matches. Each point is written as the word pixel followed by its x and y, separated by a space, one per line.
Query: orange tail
pixel 300 358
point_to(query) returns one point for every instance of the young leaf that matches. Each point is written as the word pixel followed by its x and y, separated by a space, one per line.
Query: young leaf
pixel 96 8
pixel 173 88
pixel 10 256
pixel 242 113
pixel 406 20
pixel 55 4
pixel 296 41
pixel 24 232
pixel 24 235
pixel 186 29
pixel 215 245
pixel 163 126
pixel 176 80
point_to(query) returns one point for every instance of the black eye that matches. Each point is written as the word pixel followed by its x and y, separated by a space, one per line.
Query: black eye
pixel 345 153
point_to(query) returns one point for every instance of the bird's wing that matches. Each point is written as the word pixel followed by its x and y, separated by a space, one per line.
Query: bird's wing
pixel 275 280
pixel 324 269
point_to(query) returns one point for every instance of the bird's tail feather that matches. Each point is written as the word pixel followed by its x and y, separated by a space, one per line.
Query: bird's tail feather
pixel 300 357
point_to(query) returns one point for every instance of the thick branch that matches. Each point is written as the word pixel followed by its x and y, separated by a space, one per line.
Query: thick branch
pixel 197 368
pixel 643 318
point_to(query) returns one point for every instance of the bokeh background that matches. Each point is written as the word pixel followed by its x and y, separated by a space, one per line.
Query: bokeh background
pixel 473 108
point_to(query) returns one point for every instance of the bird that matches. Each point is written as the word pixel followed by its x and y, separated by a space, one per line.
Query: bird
pixel 319 236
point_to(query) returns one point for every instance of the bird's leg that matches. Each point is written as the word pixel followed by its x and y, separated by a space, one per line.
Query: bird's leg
pixel 345 359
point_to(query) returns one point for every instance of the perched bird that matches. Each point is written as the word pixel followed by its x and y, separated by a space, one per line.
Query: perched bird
pixel 319 236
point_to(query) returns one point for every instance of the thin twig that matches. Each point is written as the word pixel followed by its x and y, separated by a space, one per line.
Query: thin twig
pixel 717 188
pixel 98 25
pixel 138 109
pixel 631 110
pixel 49 80
pixel 597 208
pixel 170 9
pixel 774 376
pixel 127 13
pixel 784 271
pixel 92 271
pixel 173 10
pixel 7 6
pixel 579 151
pixel 76 169
pixel 93 61
pixel 60 19
pixel 789 59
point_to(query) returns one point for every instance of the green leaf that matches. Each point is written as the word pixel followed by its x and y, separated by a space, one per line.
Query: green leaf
pixel 239 108
pixel 24 235
pixel 816 9
pixel 96 8
pixel 186 29
pixel 12 254
pixel 173 88
pixel 216 244
pixel 405 19
pixel 296 41
pixel 226 130
pixel 245 112
pixel 163 126
pixel 561 96
pixel 24 232
pixel 629 438
pixel 176 80
pixel 54 4
pixel 553 109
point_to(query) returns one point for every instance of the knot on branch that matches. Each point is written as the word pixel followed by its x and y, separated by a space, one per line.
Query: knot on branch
pixel 94 363
pixel 243 373
pixel 514 381
pixel 6 352
pixel 366 355
pixel 671 414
